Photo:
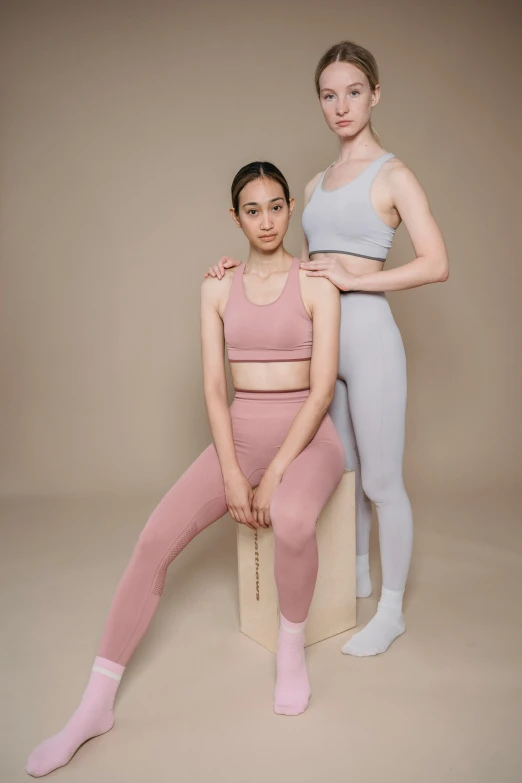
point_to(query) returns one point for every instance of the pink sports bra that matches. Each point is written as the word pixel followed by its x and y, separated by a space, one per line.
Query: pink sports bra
pixel 280 331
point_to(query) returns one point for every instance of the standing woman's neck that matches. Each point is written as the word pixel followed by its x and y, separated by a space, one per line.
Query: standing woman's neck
pixel 357 147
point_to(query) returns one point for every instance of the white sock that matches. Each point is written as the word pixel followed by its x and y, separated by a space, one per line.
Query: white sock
pixel 364 582
pixel 383 628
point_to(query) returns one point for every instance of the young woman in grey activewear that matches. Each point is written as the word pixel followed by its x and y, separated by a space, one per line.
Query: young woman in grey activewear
pixel 352 211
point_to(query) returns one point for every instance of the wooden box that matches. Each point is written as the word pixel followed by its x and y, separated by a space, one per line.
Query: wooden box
pixel 333 605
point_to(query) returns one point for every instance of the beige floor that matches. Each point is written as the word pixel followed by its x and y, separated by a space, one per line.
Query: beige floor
pixel 444 705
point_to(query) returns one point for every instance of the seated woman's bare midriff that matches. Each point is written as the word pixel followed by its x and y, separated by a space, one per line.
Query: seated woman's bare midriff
pixel 271 376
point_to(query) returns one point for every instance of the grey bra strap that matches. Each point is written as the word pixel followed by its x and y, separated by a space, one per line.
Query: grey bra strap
pixel 372 169
pixel 323 176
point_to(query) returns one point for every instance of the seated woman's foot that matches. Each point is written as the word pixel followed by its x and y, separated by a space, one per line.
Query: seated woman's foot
pixel 59 749
pixel 93 717
pixel 292 691
pixel 382 629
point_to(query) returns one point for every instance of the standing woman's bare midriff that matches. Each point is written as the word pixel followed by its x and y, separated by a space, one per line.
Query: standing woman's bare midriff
pixel 352 264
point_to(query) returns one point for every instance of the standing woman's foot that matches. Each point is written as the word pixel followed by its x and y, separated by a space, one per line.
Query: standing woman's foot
pixel 382 629
pixel 93 717
pixel 364 582
pixel 292 690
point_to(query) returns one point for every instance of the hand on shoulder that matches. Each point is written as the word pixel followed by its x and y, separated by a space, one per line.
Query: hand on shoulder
pixel 319 284
pixel 218 270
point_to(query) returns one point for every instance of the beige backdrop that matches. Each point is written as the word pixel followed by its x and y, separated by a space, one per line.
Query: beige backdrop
pixel 123 124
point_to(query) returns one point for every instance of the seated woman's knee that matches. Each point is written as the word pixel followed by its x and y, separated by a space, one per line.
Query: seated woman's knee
pixel 151 543
pixel 292 524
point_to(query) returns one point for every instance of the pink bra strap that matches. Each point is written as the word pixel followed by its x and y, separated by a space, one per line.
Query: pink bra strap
pixel 236 289
pixel 292 285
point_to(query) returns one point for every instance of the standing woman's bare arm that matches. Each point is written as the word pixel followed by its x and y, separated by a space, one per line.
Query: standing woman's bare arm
pixel 431 264
pixel 407 198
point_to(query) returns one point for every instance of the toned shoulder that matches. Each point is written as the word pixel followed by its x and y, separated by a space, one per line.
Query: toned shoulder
pixel 211 284
pixel 396 171
pixel 311 186
pixel 214 291
pixel 399 180
pixel 209 287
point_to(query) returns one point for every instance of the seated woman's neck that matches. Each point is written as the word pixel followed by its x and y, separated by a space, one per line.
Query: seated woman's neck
pixel 279 259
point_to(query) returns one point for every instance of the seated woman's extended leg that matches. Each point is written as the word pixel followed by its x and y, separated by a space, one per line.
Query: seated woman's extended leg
pixel 194 502
pixel 306 487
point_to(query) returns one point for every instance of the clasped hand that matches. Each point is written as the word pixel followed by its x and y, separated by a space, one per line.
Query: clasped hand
pixel 249 506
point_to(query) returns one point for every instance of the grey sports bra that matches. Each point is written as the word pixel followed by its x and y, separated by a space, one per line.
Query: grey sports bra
pixel 344 220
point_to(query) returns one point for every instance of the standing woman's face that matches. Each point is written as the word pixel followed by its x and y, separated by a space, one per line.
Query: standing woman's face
pixel 263 214
pixel 346 99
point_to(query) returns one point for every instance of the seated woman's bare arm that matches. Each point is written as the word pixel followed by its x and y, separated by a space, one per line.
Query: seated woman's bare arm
pixel 238 491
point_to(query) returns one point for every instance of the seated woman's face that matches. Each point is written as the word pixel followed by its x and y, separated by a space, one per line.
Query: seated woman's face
pixel 264 214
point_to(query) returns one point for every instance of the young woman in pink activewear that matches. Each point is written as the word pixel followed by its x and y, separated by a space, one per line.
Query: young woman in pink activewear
pixel 276 436
pixel 352 210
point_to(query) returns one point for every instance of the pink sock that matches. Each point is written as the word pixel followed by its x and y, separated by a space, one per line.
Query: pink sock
pixel 292 691
pixel 94 716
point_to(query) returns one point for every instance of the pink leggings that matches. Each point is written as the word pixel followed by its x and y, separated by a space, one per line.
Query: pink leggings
pixel 260 422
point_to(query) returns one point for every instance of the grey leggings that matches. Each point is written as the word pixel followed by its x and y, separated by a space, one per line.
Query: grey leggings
pixel 368 411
